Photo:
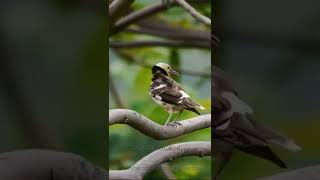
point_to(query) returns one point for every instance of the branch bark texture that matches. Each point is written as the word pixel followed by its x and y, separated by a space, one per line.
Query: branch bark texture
pixel 153 129
pixel 154 159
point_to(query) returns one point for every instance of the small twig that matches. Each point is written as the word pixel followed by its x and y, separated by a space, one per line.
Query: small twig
pixel 167 172
pixel 194 12
pixel 154 43
pixel 115 94
pixel 164 29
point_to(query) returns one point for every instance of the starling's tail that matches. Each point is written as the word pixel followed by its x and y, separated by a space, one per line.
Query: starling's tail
pixel 190 104
pixel 201 107
pixel 193 110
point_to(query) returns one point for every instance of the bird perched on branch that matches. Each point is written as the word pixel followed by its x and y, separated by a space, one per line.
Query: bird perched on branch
pixel 235 127
pixel 169 94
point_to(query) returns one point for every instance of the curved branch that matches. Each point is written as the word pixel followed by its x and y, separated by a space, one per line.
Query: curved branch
pixel 168 43
pixel 117 8
pixel 194 12
pixel 154 130
pixel 140 14
pixel 43 164
pixel 154 159
pixel 137 15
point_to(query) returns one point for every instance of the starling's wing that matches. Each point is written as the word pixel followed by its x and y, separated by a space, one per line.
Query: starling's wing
pixel 165 93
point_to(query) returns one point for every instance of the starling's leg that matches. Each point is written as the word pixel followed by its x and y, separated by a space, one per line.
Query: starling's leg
pixel 168 119
pixel 175 121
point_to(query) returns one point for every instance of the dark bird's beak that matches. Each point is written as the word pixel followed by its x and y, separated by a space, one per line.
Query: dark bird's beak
pixel 174 72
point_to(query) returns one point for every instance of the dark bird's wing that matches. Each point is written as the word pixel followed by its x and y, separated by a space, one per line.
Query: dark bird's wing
pixel 234 126
pixel 237 133
pixel 273 137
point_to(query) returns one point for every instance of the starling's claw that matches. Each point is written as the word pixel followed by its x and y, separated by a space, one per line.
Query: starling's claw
pixel 175 122
pixel 172 124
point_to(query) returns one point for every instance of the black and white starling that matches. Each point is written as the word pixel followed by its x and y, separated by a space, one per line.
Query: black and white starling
pixel 169 94
pixel 235 127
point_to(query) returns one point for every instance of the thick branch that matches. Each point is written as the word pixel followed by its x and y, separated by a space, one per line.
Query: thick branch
pixel 194 12
pixel 154 130
pixel 153 160
pixel 38 164
pixel 168 43
pixel 311 172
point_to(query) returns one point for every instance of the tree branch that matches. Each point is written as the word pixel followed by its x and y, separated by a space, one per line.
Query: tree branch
pixel 168 43
pixel 154 130
pixel 311 172
pixel 194 12
pixel 127 57
pixel 163 29
pixel 39 164
pixel 143 13
pixel 116 9
pixel 154 159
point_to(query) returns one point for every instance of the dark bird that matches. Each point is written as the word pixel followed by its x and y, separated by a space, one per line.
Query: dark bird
pixel 169 94
pixel 234 127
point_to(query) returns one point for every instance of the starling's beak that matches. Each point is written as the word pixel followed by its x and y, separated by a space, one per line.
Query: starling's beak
pixel 174 72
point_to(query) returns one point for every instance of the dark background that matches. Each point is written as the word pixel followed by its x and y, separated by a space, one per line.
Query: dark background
pixel 53 69
pixel 271 49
